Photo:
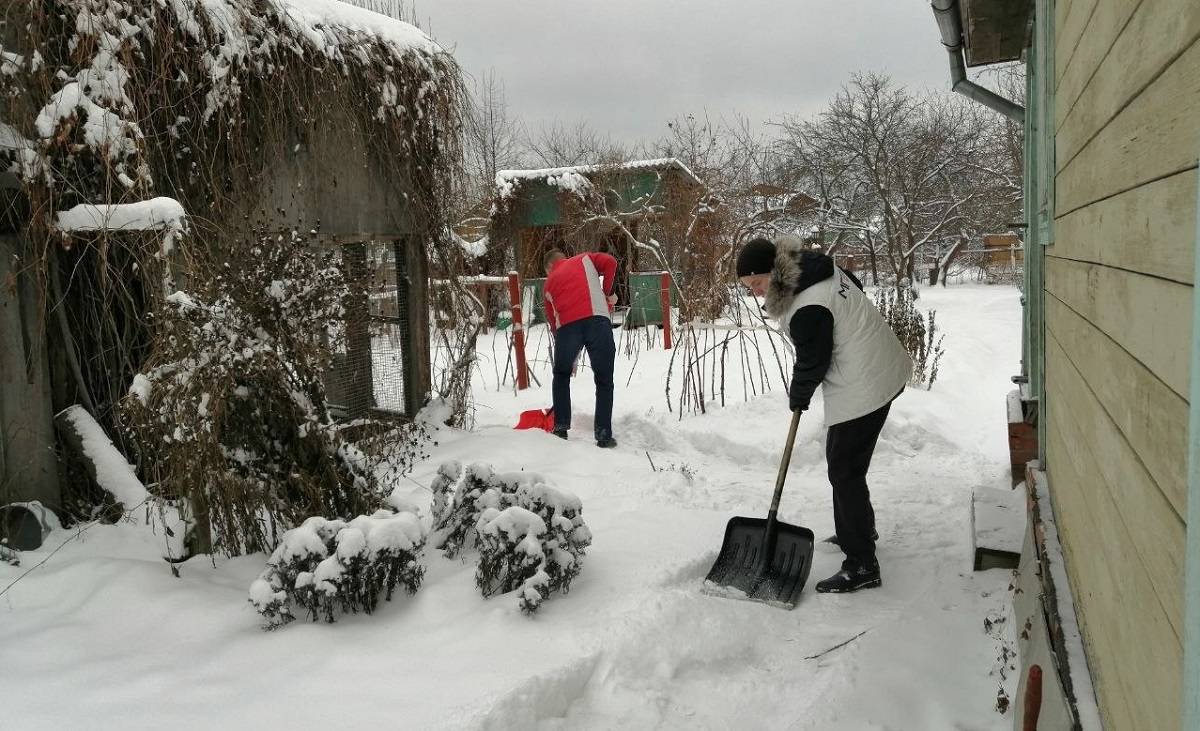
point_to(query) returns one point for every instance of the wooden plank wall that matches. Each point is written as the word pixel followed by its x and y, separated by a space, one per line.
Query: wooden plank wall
pixel 1118 328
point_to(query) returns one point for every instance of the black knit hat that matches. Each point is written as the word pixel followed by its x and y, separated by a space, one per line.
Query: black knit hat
pixel 756 257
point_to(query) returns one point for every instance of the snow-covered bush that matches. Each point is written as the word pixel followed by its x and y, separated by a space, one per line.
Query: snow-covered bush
pixel 230 410
pixel 459 497
pixel 327 566
pixel 535 546
pixel 531 536
pixel 918 335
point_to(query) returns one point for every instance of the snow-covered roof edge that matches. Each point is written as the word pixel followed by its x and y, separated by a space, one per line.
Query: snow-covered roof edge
pixel 348 15
pixel 505 177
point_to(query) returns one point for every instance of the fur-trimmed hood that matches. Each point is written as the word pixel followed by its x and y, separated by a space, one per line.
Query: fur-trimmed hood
pixel 797 267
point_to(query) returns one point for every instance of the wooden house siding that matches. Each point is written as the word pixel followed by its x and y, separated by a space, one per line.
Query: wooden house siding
pixel 1118 319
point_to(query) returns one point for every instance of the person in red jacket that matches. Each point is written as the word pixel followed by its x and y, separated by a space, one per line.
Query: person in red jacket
pixel 578 300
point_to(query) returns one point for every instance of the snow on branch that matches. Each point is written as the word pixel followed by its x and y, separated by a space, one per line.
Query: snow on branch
pixel 473 249
pixel 112 472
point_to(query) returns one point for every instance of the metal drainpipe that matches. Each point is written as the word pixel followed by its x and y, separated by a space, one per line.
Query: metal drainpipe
pixel 1191 646
pixel 950 24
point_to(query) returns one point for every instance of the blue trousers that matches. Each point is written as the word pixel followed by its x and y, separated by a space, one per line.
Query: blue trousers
pixel 594 334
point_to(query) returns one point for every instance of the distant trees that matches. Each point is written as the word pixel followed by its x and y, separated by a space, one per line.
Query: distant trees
pixel 903 175
pixel 892 177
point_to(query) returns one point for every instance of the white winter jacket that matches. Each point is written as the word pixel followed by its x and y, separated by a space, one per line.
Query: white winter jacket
pixel 868 366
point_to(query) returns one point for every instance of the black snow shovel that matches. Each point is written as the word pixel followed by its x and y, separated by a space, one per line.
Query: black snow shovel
pixel 764 560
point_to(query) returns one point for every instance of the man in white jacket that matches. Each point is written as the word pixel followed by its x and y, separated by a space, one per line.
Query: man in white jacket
pixel 845 346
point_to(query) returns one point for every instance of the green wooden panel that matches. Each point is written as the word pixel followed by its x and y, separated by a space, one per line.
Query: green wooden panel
pixel 538 204
pixel 645 299
pixel 632 191
pixel 535 290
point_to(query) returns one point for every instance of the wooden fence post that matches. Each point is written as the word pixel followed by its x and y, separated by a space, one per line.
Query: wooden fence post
pixel 514 293
pixel 666 310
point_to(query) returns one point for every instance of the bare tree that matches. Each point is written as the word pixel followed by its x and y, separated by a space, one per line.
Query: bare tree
pixel 562 146
pixel 494 136
pixel 902 174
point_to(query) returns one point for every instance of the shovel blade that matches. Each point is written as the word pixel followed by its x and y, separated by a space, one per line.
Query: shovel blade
pixel 744 571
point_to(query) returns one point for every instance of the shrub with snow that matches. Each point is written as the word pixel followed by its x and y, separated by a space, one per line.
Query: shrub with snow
pixel 531 536
pixel 230 412
pixel 459 497
pixel 918 335
pixel 331 566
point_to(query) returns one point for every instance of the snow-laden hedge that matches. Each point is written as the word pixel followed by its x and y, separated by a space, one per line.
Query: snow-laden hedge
pixel 531 536
pixel 327 566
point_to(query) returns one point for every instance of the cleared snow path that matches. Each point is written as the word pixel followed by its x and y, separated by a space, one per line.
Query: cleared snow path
pixel 103 636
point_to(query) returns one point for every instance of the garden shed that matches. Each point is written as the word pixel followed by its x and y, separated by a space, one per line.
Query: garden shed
pixel 313 128
pixel 643 212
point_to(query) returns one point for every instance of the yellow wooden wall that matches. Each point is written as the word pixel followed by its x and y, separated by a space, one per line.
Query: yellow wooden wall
pixel 1118 301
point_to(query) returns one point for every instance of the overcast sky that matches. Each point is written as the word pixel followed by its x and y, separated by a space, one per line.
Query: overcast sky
pixel 627 66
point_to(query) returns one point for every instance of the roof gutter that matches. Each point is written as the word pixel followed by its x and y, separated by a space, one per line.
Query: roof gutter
pixel 950 24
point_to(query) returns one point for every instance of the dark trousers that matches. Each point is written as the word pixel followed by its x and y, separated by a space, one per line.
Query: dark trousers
pixel 594 334
pixel 848 450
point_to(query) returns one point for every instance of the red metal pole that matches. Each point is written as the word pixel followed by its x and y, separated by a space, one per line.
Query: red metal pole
pixel 514 294
pixel 666 310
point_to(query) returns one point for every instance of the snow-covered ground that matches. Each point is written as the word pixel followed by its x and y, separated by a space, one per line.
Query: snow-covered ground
pixel 103 636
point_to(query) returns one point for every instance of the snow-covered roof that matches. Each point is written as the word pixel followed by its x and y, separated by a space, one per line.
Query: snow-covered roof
pixel 309 15
pixel 506 177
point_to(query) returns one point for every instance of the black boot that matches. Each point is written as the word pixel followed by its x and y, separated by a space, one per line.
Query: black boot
pixel 852 577
pixel 834 539
pixel 560 432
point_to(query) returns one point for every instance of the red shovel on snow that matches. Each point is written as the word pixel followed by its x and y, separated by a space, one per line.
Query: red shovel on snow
pixel 536 419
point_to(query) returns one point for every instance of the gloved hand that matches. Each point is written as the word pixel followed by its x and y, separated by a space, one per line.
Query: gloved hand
pixel 797 401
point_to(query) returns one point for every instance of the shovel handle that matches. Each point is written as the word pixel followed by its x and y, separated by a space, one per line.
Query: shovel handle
pixel 783 468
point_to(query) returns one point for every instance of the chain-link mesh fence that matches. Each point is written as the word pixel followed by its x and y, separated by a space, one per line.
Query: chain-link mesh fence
pixel 370 375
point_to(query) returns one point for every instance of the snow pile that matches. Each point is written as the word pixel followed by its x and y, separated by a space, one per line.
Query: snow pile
pixel 531 536
pixel 330 566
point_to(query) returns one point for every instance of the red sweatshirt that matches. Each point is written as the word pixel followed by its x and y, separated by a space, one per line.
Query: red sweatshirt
pixel 574 290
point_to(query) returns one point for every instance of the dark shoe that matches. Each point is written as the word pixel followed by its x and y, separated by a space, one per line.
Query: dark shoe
pixel 560 432
pixel 834 539
pixel 852 577
pixel 606 442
